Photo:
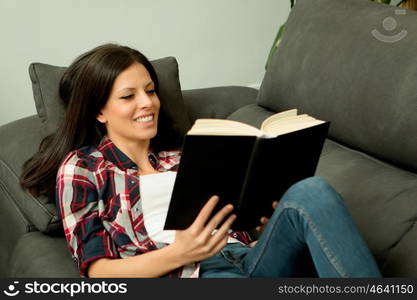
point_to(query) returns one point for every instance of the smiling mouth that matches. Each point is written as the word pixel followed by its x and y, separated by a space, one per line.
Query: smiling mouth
pixel 144 119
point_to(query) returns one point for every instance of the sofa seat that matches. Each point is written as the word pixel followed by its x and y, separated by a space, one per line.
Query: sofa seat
pixel 39 255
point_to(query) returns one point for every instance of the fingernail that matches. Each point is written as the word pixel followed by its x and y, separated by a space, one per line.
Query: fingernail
pixel 215 199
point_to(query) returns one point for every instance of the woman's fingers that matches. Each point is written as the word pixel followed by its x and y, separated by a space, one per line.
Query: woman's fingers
pixel 217 219
pixel 223 232
pixel 205 213
pixel 253 244
pixel 198 241
pixel 264 220
pixel 220 245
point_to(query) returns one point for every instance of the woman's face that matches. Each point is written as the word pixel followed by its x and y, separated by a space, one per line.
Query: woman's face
pixel 131 112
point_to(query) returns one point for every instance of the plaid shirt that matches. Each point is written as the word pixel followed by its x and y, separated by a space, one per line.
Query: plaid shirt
pixel 98 195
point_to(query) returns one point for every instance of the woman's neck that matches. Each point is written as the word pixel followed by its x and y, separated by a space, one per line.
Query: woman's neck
pixel 137 151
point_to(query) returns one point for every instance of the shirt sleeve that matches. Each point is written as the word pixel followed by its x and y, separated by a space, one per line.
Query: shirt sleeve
pixel 241 236
pixel 77 200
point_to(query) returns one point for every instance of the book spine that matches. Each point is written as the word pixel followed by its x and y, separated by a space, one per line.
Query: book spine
pixel 249 173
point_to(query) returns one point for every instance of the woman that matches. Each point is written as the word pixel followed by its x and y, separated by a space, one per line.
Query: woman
pixel 115 132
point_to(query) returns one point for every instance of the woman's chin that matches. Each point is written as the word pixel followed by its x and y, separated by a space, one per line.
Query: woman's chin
pixel 146 135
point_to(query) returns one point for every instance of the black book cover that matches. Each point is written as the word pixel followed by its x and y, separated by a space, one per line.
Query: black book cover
pixel 246 171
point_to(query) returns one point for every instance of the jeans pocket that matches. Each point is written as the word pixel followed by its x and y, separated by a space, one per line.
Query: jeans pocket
pixel 234 254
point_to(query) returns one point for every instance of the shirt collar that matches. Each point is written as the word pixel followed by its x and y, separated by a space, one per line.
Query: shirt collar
pixel 117 157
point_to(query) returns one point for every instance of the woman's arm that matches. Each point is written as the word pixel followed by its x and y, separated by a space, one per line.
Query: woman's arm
pixel 94 249
pixel 155 263
pixel 191 245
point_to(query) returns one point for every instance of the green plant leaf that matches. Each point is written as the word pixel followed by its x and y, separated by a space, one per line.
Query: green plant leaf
pixel 383 1
pixel 275 45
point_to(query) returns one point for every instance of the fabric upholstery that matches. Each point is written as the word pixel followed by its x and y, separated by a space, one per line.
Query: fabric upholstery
pixel 329 64
pixel 38 255
pixel 23 137
pixel 12 225
pixel 382 201
pixel 251 114
pixel 217 102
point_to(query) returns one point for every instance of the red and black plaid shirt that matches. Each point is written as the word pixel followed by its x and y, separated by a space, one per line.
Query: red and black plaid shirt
pixel 99 199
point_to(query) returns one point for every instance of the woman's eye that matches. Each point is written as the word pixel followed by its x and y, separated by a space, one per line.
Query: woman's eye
pixel 151 92
pixel 127 96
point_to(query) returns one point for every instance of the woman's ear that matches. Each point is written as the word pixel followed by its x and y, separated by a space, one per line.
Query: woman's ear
pixel 101 118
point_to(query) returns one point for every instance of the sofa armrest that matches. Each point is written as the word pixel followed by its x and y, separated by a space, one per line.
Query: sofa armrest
pixel 20 140
pixel 217 102
pixel 38 255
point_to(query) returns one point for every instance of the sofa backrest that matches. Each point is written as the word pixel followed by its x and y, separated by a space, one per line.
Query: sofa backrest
pixel 354 63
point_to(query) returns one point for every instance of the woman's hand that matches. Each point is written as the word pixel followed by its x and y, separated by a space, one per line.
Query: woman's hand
pixel 198 242
pixel 264 221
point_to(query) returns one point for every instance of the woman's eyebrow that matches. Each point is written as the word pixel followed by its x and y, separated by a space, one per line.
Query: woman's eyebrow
pixel 132 88
pixel 126 89
pixel 149 83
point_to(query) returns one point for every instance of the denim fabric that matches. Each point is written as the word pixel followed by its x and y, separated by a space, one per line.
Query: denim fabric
pixel 311 233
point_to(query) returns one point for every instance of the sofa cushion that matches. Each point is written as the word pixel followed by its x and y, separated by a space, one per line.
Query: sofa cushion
pixel 382 201
pixel 251 114
pixel 366 87
pixel 217 102
pixel 51 110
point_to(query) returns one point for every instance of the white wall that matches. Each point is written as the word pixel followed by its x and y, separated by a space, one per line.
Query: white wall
pixel 216 42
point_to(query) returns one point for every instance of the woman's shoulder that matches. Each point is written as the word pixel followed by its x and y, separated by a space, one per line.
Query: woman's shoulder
pixel 87 157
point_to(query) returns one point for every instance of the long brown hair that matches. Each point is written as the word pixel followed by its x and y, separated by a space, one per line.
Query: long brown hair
pixel 84 88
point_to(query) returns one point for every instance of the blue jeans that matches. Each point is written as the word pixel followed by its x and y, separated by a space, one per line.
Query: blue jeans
pixel 310 234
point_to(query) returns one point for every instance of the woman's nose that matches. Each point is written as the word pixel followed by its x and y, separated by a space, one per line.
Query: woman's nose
pixel 144 100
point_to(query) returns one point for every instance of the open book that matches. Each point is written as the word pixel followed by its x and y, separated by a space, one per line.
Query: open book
pixel 277 124
pixel 244 165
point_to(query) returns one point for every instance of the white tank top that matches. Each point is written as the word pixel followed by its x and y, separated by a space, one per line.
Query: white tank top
pixel 155 193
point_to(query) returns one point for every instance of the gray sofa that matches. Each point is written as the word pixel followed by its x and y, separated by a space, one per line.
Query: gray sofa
pixel 329 65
